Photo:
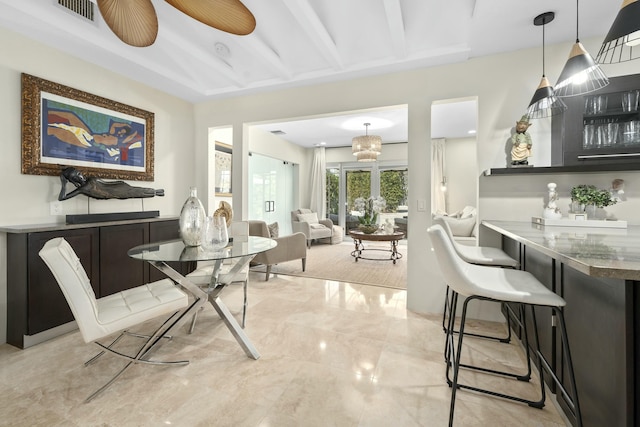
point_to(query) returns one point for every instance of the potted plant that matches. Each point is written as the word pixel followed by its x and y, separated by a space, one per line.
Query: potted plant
pixel 583 194
pixel 603 198
pixel 370 208
pixel 589 197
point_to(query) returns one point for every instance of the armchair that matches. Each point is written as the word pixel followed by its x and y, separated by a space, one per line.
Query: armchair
pixel 305 221
pixel 98 318
pixel 289 247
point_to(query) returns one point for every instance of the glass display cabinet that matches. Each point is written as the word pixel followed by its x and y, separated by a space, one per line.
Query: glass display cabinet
pixel 601 127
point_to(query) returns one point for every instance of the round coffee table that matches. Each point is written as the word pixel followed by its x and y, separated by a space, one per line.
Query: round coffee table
pixel 359 237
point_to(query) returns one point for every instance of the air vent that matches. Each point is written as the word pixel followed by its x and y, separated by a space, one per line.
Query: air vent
pixel 83 8
pixel 278 132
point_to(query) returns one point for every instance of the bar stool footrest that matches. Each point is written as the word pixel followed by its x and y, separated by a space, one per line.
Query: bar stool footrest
pixel 534 404
pixel 519 377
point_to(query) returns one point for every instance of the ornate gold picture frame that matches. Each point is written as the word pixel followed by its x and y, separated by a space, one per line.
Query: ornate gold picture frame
pixel 63 126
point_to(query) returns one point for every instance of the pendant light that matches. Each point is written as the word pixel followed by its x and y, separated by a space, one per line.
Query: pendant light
pixel 366 147
pixel 544 103
pixel 581 74
pixel 623 40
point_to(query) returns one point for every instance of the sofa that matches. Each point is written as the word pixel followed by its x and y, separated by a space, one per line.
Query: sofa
pixel 463 224
pixel 402 225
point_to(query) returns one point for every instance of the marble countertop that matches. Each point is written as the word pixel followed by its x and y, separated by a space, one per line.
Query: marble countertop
pixel 599 252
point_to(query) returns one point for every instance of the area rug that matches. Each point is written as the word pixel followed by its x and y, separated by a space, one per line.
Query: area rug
pixel 334 262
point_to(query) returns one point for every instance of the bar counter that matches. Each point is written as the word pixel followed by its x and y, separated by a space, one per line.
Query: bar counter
pixel 597 252
pixel 597 272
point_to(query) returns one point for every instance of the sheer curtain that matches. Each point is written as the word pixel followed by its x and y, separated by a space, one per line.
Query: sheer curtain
pixel 438 195
pixel 319 183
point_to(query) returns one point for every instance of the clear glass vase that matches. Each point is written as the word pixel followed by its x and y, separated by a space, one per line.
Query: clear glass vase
pixel 577 207
pixel 192 218
pixel 215 235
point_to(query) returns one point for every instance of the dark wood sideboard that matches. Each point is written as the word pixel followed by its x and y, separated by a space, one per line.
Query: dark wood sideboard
pixel 36 307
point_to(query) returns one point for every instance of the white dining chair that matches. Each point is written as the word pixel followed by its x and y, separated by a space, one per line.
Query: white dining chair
pixel 474 282
pixel 97 318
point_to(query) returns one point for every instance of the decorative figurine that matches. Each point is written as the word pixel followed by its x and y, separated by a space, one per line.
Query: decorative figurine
pixel 98 189
pixel 224 210
pixel 388 226
pixel 552 211
pixel 617 190
pixel 521 143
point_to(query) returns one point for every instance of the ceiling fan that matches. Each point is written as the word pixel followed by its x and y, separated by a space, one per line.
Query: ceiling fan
pixel 136 22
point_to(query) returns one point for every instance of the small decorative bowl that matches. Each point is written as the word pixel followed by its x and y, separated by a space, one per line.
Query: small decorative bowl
pixel 368 228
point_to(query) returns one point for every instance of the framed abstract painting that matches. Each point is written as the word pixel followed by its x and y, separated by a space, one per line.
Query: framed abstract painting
pixel 62 126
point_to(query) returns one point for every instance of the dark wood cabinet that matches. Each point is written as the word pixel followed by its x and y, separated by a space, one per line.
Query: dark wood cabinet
pixel 596 130
pixel 35 303
pixel 117 270
pixel 542 268
pixel 34 299
pixel 599 317
pixel 167 230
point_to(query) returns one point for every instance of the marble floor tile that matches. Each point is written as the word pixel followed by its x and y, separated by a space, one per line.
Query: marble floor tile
pixel 332 354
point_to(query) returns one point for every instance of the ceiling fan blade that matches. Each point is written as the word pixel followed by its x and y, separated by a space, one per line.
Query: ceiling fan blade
pixel 134 22
pixel 230 16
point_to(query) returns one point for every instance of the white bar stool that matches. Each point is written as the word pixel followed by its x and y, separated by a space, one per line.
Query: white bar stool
pixel 479 255
pixel 501 285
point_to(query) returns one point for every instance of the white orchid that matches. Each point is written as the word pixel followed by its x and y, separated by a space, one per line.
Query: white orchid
pixel 370 209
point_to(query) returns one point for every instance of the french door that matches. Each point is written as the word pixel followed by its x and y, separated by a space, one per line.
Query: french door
pixel 348 181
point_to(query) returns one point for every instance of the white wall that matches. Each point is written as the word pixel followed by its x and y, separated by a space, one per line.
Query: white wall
pixel 270 145
pixel 461 171
pixel 25 198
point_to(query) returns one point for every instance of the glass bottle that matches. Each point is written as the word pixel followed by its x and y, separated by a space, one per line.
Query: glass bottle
pixel 192 218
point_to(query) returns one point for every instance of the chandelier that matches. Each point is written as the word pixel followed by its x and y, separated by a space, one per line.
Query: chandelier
pixel 366 147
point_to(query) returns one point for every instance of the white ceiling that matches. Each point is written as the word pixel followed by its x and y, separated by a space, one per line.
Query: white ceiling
pixel 301 42
pixel 450 119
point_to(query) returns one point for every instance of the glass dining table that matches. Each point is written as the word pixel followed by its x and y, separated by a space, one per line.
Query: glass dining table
pixel 242 249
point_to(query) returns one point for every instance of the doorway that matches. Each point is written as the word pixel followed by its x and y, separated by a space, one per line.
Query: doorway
pixel 271 190
pixel 454 164
pixel 299 138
